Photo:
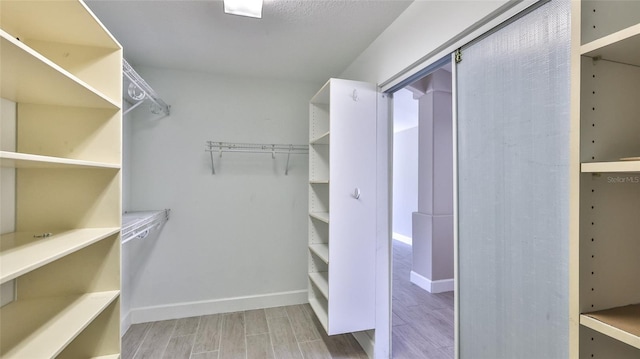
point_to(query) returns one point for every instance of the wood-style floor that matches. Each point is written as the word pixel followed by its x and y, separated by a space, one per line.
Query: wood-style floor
pixel 422 328
pixel 273 333
pixel 423 323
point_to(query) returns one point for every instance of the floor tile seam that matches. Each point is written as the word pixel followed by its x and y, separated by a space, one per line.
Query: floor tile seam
pixel 273 350
pixel 175 323
pixel 246 345
pixel 144 337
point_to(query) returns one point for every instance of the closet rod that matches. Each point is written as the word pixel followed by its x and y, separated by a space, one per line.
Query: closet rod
pixel 142 85
pixel 289 149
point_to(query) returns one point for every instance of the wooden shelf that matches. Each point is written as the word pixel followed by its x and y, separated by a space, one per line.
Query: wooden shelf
pixel 64 318
pixel 24 160
pixel 614 166
pixel 321 140
pixel 321 280
pixel 320 308
pixel 29 77
pixel 622 323
pixel 321 216
pixel 622 46
pixel 21 253
pixel 321 250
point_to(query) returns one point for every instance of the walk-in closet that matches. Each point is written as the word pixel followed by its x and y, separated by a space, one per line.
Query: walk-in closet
pixel 214 179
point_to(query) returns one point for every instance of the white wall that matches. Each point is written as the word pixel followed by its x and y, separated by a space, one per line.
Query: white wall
pixel 405 179
pixel 237 239
pixel 427 29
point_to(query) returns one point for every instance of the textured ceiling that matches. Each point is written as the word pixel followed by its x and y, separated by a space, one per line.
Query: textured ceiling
pixel 300 40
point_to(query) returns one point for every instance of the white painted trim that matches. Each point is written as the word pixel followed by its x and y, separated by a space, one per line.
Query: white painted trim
pixel 432 286
pixel 402 238
pixel 366 342
pixel 225 305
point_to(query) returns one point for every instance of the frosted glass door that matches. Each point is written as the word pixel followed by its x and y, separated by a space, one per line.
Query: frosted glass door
pixel 513 189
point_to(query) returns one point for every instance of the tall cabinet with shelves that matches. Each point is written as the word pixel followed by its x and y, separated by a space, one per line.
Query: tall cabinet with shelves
pixel 342 133
pixel 606 242
pixel 60 70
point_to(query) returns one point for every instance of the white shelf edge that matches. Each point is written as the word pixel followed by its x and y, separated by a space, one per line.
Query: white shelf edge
pixel 54 67
pixel 321 216
pixel 610 39
pixel 322 96
pixel 319 182
pixel 321 312
pixel 321 251
pixel 24 160
pixel 321 281
pixel 610 331
pixel 52 337
pixel 614 166
pixel 111 356
pixel 321 140
pixel 38 252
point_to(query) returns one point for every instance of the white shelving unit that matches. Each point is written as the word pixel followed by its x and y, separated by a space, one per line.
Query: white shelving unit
pixel 342 206
pixel 605 244
pixel 62 71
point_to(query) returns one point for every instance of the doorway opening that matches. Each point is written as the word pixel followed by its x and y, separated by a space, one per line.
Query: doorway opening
pixel 422 324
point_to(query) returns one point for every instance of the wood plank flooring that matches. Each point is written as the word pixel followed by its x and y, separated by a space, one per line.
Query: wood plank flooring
pixel 290 332
pixel 422 323
pixel 422 328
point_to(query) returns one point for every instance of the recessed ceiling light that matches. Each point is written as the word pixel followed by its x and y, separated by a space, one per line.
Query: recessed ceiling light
pixel 250 8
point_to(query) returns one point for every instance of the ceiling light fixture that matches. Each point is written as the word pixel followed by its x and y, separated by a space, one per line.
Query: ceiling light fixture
pixel 250 8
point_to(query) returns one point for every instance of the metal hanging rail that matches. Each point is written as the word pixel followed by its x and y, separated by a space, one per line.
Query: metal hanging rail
pixel 288 149
pixel 138 224
pixel 139 90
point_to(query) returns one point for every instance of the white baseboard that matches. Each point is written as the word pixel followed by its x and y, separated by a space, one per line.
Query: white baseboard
pixel 402 238
pixel 432 286
pixel 366 342
pixel 226 305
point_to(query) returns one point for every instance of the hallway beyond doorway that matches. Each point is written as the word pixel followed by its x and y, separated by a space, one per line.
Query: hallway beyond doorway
pixel 423 323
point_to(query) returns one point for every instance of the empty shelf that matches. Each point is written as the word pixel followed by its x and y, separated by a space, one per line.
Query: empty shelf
pixel 137 224
pixel 321 140
pixel 321 216
pixel 35 20
pixel 65 318
pixel 320 308
pixel 319 182
pixel 321 250
pixel 23 160
pixel 29 77
pixel 21 253
pixel 614 166
pixel 621 323
pixel 321 281
pixel 622 46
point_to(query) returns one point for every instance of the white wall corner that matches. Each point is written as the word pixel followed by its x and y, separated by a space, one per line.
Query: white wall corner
pixel 432 286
